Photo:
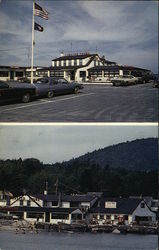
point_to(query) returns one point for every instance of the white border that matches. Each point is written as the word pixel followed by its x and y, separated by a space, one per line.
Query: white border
pixel 79 124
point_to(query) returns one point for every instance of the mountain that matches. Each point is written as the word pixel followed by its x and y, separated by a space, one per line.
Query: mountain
pixel 140 154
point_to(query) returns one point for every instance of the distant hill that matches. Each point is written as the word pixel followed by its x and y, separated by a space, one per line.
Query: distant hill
pixel 140 154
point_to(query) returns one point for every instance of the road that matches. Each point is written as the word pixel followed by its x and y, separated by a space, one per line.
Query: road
pixel 94 103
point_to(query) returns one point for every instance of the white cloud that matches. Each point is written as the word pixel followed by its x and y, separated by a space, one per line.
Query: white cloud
pixel 127 22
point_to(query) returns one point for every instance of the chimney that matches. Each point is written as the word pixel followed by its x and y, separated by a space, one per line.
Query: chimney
pixel 46 188
pixel 99 203
pixel 59 200
pixel 61 54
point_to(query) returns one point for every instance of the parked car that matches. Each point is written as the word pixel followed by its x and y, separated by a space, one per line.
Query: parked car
pixel 25 79
pixel 156 83
pixel 143 78
pixel 125 80
pixel 16 91
pixel 50 86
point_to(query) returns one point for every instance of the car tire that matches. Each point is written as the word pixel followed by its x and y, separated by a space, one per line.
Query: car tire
pixel 76 90
pixel 50 94
pixel 26 97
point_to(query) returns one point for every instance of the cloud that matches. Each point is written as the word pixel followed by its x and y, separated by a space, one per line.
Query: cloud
pixel 117 28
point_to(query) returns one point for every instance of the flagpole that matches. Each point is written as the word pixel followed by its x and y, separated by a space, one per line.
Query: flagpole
pixel 32 45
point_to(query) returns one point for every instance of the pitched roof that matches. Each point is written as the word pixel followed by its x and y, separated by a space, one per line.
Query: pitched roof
pixel 57 210
pixel 74 67
pixel 65 198
pixel 124 206
pixel 74 56
pixel 116 67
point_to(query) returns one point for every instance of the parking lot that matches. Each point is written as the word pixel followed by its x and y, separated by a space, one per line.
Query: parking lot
pixel 95 103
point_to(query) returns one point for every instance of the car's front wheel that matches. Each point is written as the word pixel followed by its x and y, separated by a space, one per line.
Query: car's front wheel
pixel 76 90
pixel 26 97
pixel 50 94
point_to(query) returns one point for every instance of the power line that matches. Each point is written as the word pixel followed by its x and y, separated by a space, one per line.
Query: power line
pixel 70 188
pixel 14 49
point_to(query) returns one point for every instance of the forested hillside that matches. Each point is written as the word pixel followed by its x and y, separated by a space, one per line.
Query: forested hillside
pixel 135 155
pixel 87 173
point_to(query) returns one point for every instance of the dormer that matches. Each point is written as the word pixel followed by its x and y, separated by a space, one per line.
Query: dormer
pixel 110 204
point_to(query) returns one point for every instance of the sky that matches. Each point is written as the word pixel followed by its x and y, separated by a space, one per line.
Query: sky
pixel 57 143
pixel 123 31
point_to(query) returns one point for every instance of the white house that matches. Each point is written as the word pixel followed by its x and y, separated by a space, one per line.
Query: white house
pixel 51 208
pixel 74 67
pixel 125 210
pixel 5 197
pixel 11 72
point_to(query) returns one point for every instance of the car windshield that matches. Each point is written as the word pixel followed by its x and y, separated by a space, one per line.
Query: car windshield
pixel 42 80
pixel 62 80
pixel 3 85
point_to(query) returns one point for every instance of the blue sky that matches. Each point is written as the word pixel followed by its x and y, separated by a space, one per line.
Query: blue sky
pixel 123 31
pixel 56 143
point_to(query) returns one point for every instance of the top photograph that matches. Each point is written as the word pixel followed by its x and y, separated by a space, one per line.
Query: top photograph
pixel 78 61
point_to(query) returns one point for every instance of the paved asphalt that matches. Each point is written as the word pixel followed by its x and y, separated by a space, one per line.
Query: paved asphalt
pixel 94 103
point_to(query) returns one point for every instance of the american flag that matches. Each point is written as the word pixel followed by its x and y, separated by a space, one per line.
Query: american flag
pixel 41 12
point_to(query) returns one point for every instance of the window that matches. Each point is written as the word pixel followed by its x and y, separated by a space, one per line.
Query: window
pixel 64 63
pixel 42 73
pixel 95 63
pixel 69 63
pixel 55 63
pixel 106 73
pixel 75 62
pixel 54 203
pixel 59 216
pixel 126 217
pixel 108 217
pixel 82 74
pixel 19 74
pixel 76 216
pixel 94 216
pixel 110 204
pixel 28 73
pixel 21 202
pixel 59 63
pixel 3 73
pixel 142 205
pixel 99 73
pixel 34 215
pixel 101 216
pixel 28 203
pixel 57 73
pixel 74 204
pixel 80 61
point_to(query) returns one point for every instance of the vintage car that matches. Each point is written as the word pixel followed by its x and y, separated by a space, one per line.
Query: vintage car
pixel 50 86
pixel 10 91
pixel 125 80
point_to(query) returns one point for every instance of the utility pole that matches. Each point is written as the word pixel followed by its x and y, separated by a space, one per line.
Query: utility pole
pixel 32 45
pixel 56 184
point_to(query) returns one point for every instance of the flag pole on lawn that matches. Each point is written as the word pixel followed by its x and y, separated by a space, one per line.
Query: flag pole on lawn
pixel 32 45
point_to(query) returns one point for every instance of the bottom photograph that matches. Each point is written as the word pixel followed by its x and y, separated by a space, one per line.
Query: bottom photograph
pixel 68 187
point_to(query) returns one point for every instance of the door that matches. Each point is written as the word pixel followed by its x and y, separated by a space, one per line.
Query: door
pixel 72 76
pixel 11 75
pixel 47 217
